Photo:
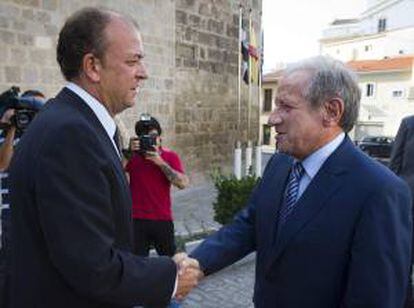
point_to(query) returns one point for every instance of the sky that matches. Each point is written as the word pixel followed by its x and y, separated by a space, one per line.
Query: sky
pixel 292 28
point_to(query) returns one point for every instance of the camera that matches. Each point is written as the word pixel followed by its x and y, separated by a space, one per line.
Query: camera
pixel 147 140
pixel 25 109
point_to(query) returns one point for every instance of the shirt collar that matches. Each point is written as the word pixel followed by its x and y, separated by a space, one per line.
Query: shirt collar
pixel 98 108
pixel 314 162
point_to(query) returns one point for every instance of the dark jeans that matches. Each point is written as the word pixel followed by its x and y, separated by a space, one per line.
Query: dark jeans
pixel 158 233
pixel 4 258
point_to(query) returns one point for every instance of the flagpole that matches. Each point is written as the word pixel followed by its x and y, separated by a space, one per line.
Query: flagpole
pixel 250 80
pixel 239 70
pixel 237 166
pixel 259 65
pixel 258 171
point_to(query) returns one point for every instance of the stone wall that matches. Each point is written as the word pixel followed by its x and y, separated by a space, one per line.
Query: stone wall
pixel 206 83
pixel 191 54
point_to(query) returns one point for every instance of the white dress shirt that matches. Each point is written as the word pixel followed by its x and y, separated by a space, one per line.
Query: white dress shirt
pixel 99 110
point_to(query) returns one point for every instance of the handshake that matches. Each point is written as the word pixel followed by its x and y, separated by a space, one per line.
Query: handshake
pixel 189 274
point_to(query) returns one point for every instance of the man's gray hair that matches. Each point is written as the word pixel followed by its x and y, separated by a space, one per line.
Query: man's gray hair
pixel 330 78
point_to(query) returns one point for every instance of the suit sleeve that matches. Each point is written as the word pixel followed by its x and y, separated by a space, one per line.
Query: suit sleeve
pixel 229 244
pixel 74 187
pixel 381 250
pixel 236 240
pixel 397 153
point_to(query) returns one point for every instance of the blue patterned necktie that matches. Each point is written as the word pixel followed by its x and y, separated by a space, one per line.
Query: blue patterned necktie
pixel 291 193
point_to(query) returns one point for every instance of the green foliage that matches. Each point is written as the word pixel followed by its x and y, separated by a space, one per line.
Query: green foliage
pixel 232 195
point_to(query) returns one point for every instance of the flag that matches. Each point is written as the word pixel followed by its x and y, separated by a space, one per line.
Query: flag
pixel 244 49
pixel 253 57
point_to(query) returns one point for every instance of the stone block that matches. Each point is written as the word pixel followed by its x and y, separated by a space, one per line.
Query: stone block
pixel 9 10
pixel 50 75
pixel 236 20
pixel 4 22
pixel 43 42
pixel 30 75
pixel 37 57
pixel 13 74
pixel 169 84
pixel 186 4
pixel 7 37
pixel 4 55
pixel 50 5
pixel 41 17
pixel 194 21
pixel 18 56
pixel 205 9
pixel 215 55
pixel 19 25
pixel 215 26
pixel 32 3
pixel 185 51
pixel 25 39
pixel 232 31
pixel 189 63
pixel 190 34
pixel 205 38
pixel 181 17
pixel 205 66
pixel 51 29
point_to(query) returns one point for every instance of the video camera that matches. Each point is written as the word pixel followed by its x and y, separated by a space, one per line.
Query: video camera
pixel 25 109
pixel 147 141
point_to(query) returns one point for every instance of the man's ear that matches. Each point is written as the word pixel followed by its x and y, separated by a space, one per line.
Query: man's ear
pixel 91 66
pixel 333 111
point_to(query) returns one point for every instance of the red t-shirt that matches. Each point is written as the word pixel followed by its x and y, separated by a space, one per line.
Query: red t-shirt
pixel 150 188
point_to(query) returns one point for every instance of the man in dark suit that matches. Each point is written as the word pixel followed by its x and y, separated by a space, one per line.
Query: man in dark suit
pixel 402 163
pixel 331 227
pixel 71 214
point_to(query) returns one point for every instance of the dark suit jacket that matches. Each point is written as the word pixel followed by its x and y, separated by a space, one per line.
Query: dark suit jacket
pixel 71 218
pixel 346 245
pixel 402 155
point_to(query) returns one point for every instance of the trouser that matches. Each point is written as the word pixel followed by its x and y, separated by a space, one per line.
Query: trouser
pixel 159 233
pixel 4 258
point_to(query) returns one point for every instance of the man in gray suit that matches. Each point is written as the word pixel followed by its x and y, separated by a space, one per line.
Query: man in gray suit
pixel 402 163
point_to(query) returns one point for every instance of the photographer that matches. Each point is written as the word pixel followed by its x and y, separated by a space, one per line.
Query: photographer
pixel 152 169
pixel 17 112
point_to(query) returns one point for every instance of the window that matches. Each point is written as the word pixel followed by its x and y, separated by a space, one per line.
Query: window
pixel 267 106
pixel 266 134
pixel 397 93
pixel 382 24
pixel 369 90
pixel 368 48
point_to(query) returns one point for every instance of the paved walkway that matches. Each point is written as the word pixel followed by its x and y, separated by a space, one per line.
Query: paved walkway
pixel 193 210
pixel 229 288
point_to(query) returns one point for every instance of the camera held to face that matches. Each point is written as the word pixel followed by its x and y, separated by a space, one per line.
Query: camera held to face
pixel 147 139
pixel 25 109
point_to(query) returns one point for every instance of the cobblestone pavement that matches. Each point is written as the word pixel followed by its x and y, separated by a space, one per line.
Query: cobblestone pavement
pixel 229 288
pixel 193 210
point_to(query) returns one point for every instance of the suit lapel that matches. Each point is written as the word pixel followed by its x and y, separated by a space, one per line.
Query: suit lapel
pixel 326 182
pixel 274 199
pixel 76 102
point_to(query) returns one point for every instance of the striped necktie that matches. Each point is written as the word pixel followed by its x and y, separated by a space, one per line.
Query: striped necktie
pixel 291 193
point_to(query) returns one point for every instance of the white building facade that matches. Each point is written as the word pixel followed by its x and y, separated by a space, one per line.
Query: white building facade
pixel 379 46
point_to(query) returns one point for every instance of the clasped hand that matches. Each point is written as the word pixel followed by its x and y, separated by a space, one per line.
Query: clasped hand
pixel 189 274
